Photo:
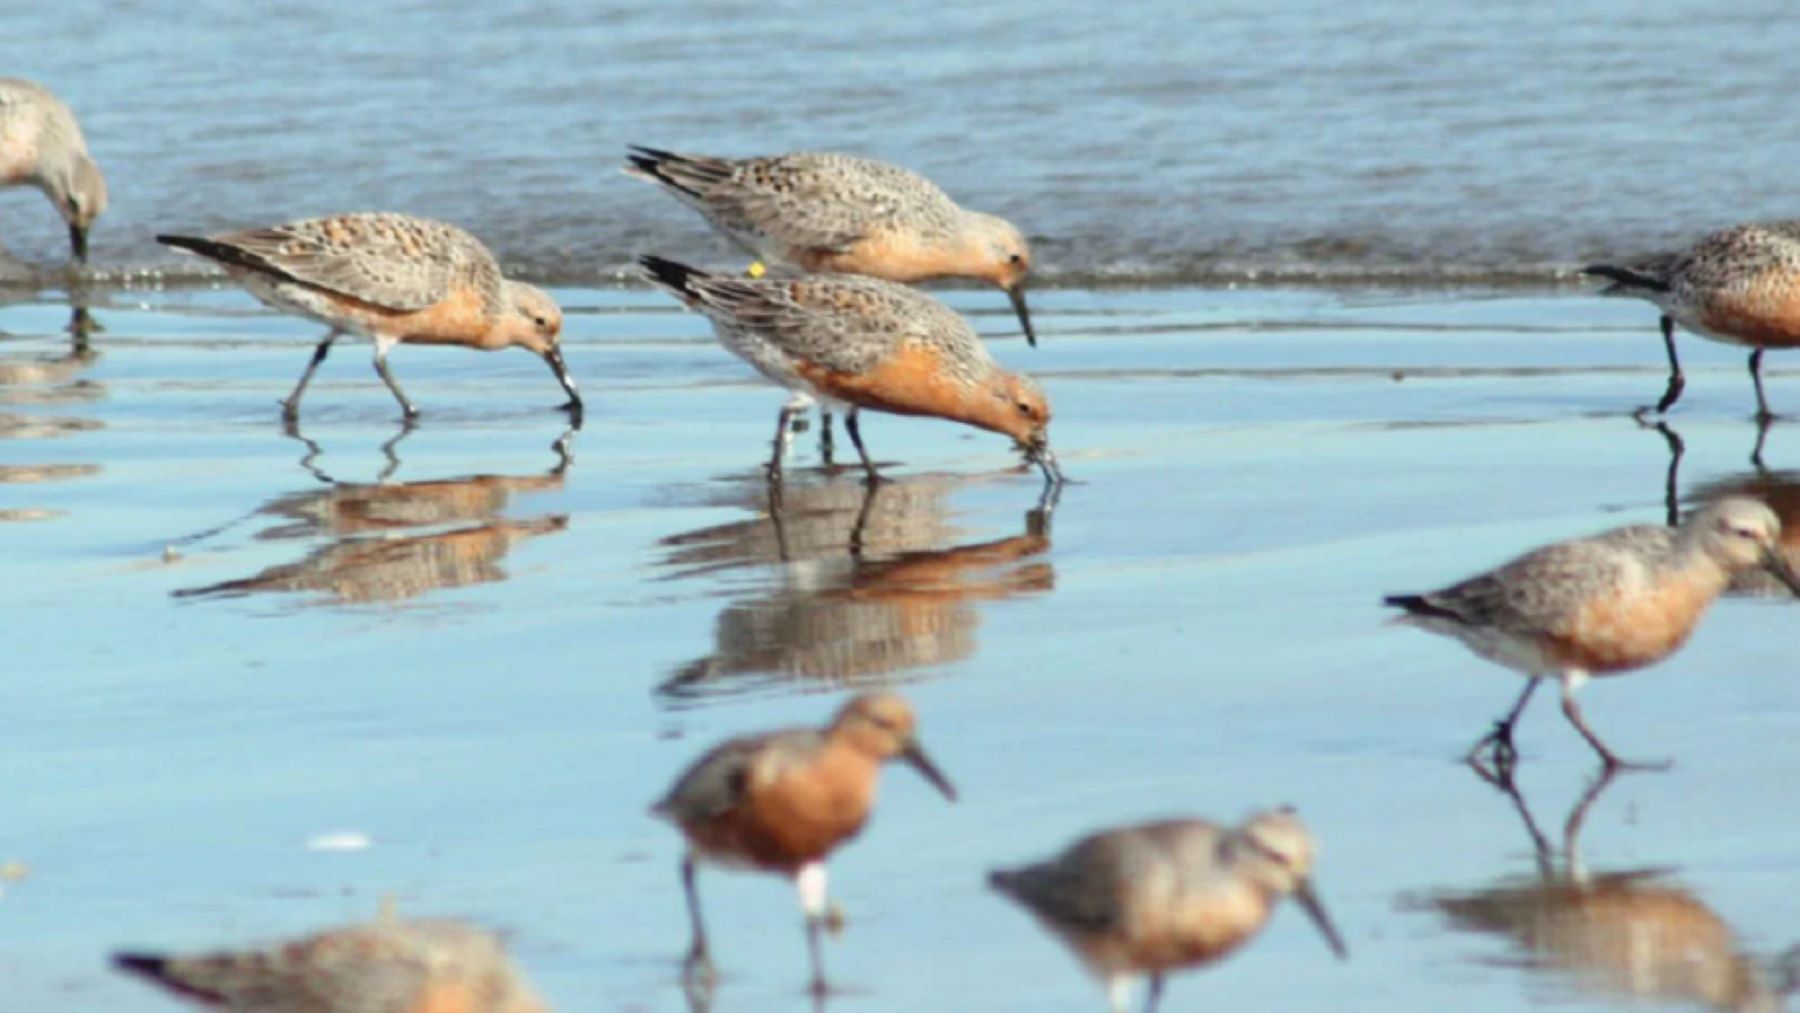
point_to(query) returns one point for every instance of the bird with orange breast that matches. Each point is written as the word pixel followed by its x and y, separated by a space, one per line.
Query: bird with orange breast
pixel 840 214
pixel 859 343
pixel 395 279
pixel 1739 286
pixel 390 965
pixel 782 801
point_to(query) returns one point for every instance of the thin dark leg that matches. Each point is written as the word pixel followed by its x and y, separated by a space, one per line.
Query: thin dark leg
pixel 1500 740
pixel 785 419
pixel 1763 414
pixel 291 407
pixel 855 430
pixel 825 445
pixel 1677 382
pixel 1156 992
pixel 698 965
pixel 1762 437
pixel 1608 759
pixel 381 366
pixel 816 948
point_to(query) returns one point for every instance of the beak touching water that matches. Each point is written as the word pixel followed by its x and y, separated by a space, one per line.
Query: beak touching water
pixel 914 755
pixel 1039 453
pixel 78 243
pixel 1777 564
pixel 1016 292
pixel 1309 901
pixel 555 358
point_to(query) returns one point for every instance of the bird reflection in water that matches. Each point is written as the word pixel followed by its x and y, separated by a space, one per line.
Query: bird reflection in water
pixel 1779 489
pixel 1631 934
pixel 391 541
pixel 38 380
pixel 866 583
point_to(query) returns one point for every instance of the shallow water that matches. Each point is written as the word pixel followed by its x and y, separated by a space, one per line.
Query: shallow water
pixel 1296 139
pixel 488 655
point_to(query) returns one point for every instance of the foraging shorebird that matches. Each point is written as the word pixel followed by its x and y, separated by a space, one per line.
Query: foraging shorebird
pixel 782 801
pixel 41 145
pixel 1739 285
pixel 1603 605
pixel 1158 897
pixel 838 214
pixel 864 343
pixel 395 279
pixel 387 966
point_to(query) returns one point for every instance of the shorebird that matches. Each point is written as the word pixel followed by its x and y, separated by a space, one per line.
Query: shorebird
pixel 41 145
pixel 1603 605
pixel 392 278
pixel 1158 897
pixel 1739 285
pixel 838 214
pixel 782 801
pixel 387 966
pixel 864 343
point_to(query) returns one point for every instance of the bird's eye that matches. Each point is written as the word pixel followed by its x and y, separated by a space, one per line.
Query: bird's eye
pixel 1017 258
pixel 1026 409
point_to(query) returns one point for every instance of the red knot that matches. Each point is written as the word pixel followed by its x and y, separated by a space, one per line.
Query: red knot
pixel 394 279
pixel 1603 605
pixel 41 145
pixel 1158 897
pixel 782 801
pixel 860 343
pixel 839 214
pixel 1739 285
pixel 387 966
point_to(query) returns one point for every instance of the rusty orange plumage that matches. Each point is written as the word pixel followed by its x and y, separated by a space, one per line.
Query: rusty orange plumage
pixel 390 965
pixel 1739 285
pixel 395 279
pixel 1603 605
pixel 781 802
pixel 862 343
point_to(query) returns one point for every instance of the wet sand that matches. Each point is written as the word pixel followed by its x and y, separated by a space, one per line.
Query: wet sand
pixel 489 655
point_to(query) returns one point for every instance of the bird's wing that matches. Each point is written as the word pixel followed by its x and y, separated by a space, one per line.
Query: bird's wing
pixel 393 261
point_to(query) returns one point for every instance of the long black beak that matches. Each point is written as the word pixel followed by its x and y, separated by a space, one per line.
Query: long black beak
pixel 1777 563
pixel 554 357
pixel 1017 294
pixel 1309 901
pixel 78 243
pixel 914 755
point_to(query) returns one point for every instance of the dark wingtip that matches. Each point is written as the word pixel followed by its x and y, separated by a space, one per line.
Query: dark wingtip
pixel 180 242
pixel 156 969
pixel 1630 278
pixel 670 274
pixel 650 162
pixel 1418 605
pixel 146 964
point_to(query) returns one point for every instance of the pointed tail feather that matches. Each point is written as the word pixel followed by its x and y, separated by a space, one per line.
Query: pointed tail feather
pixel 158 970
pixel 685 174
pixel 1419 605
pixel 223 253
pixel 1627 279
pixel 677 277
